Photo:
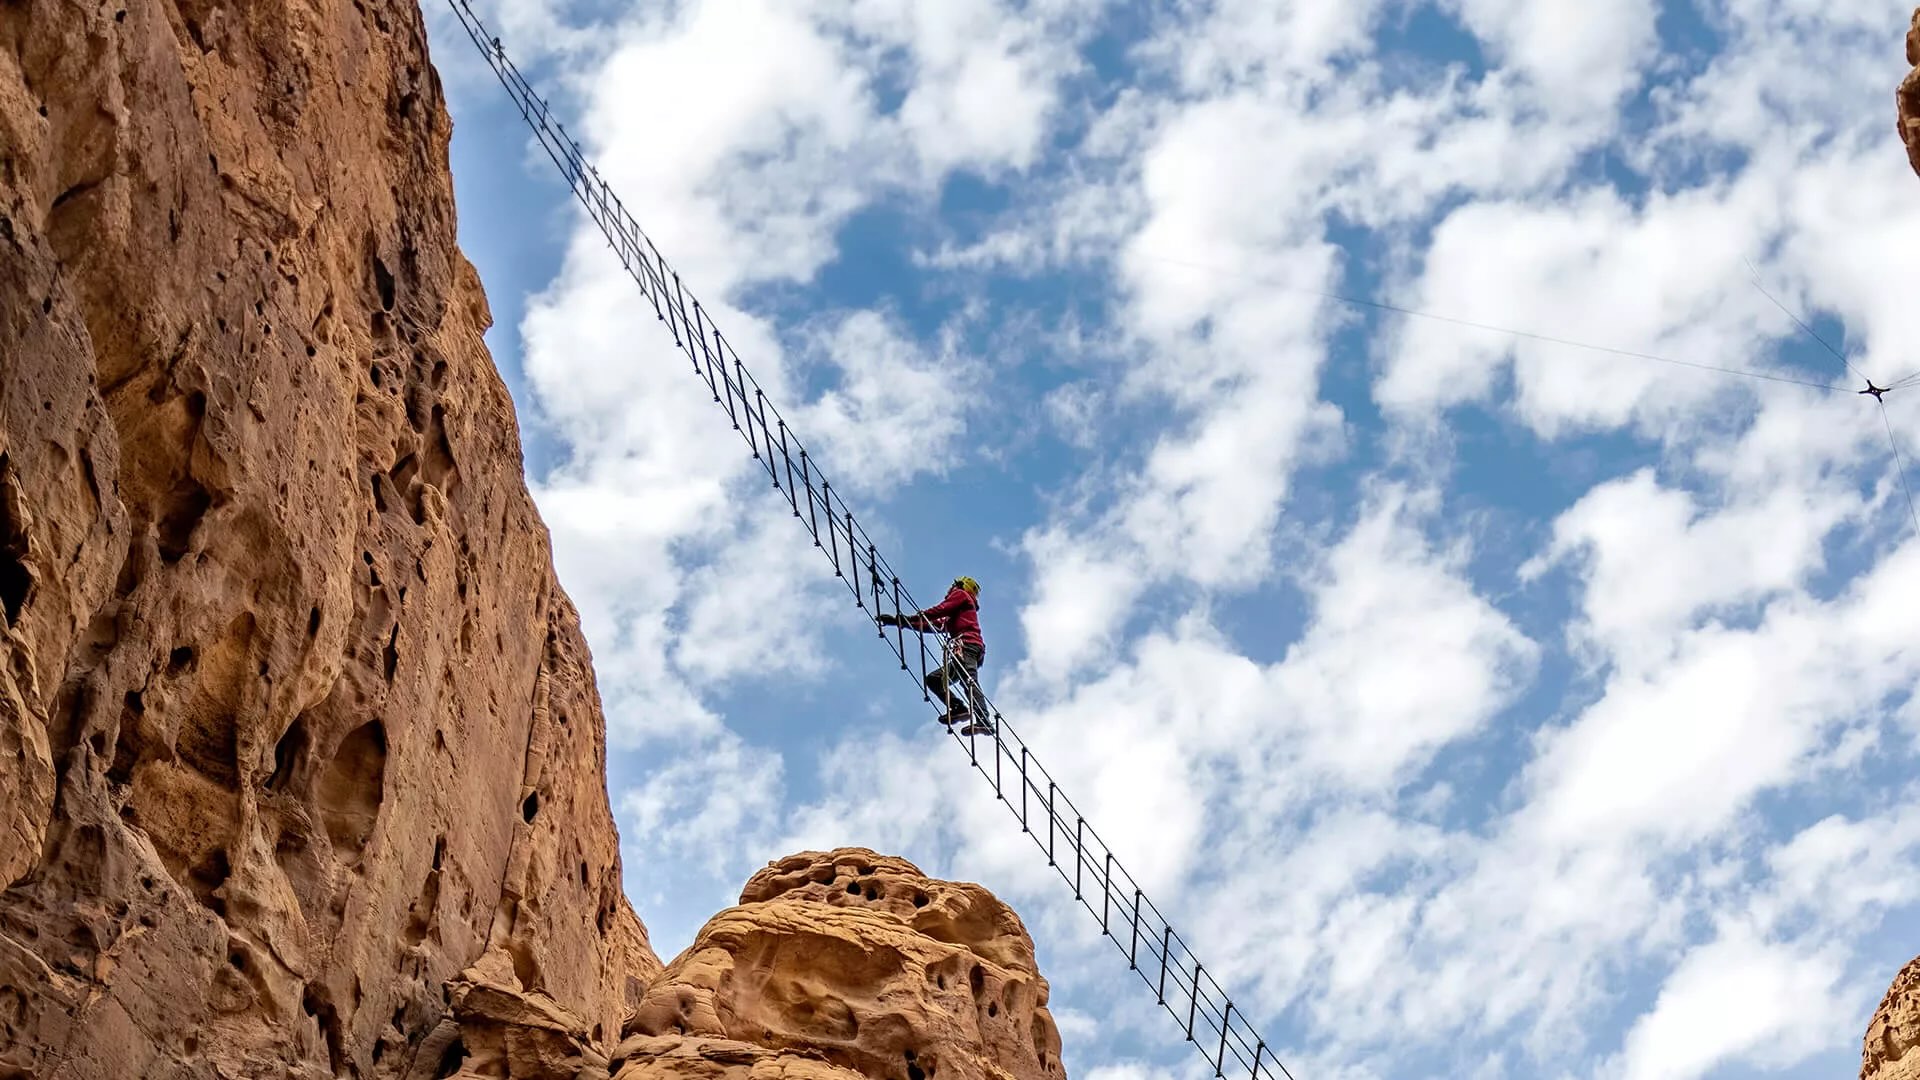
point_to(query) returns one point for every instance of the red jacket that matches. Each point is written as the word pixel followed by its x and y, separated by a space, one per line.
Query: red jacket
pixel 958 617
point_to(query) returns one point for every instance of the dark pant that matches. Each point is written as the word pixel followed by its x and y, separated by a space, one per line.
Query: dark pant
pixel 961 671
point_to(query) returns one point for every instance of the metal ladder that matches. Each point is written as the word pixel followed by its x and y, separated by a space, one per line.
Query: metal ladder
pixel 1153 950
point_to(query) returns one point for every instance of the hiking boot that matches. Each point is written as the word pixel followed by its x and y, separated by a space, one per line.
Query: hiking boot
pixel 957 716
pixel 978 727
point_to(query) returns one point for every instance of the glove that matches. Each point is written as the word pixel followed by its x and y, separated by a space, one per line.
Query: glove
pixel 887 619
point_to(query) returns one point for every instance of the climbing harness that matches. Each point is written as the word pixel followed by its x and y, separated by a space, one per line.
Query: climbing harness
pixel 1101 885
pixel 966 698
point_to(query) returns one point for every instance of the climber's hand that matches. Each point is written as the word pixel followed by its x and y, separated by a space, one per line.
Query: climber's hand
pixel 887 618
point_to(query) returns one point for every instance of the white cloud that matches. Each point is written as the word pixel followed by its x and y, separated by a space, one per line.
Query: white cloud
pixel 535 30
pixel 715 800
pixel 1388 601
pixel 1203 506
pixel 1076 1028
pixel 750 611
pixel 1081 600
pixel 897 408
pixel 1750 96
pixel 1242 40
pixel 1839 869
pixel 985 75
pixel 1081 217
pixel 1074 409
pixel 649 470
pixel 1580 57
pixel 1738 999
pixel 747 178
pixel 1675 749
pixel 1659 560
pixel 1218 282
pixel 1675 286
pixel 886 794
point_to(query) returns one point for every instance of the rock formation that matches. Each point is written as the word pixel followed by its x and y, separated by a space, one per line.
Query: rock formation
pixel 301 761
pixel 1893 1038
pixel 295 725
pixel 843 965
pixel 1908 95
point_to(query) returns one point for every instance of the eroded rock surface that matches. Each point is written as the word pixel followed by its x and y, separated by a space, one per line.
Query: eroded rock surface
pixel 845 964
pixel 295 725
pixel 1892 1049
pixel 1909 95
pixel 302 769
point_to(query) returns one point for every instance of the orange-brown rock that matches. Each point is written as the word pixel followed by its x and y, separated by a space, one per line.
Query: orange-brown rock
pixel 302 768
pixel 507 1032
pixel 1908 95
pixel 849 964
pixel 295 724
pixel 1892 1049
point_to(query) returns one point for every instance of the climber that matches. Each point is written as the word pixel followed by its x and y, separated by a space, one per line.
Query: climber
pixel 958 617
pixel 1876 391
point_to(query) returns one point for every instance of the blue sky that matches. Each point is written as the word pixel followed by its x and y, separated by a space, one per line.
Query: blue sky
pixel 1481 706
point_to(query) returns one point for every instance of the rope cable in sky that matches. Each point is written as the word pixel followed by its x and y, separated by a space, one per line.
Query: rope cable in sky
pixel 1801 323
pixel 1548 338
pixel 1415 313
pixel 1183 987
pixel 1900 462
pixel 1878 393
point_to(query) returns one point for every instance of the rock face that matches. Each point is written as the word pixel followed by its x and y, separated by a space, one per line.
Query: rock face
pixel 843 965
pixel 301 761
pixel 1909 96
pixel 1893 1037
pixel 302 768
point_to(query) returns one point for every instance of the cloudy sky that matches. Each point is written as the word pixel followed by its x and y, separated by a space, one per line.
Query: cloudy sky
pixel 1478 706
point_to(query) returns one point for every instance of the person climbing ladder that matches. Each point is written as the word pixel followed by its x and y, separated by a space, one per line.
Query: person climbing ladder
pixel 958 617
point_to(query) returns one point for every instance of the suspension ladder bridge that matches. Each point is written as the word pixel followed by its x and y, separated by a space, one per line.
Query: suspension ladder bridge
pixel 1210 1020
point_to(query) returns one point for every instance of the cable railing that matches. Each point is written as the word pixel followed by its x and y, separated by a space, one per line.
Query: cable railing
pixel 1182 985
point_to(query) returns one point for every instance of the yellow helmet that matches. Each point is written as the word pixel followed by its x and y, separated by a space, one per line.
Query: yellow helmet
pixel 967 583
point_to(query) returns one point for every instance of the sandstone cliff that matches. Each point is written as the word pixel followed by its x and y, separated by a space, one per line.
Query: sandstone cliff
pixel 301 761
pixel 843 965
pixel 1894 1033
pixel 1908 95
pixel 295 725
